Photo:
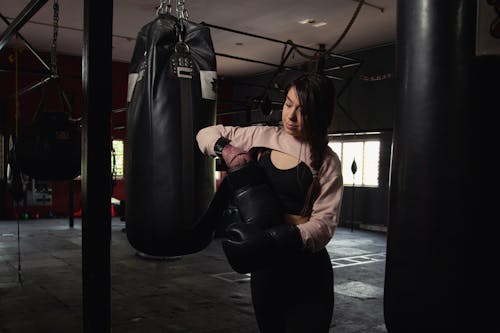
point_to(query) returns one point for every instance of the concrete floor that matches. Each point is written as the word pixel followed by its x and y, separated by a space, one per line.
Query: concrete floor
pixel 194 293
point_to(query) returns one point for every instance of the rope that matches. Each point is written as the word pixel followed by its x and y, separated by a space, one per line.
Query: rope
pixel 337 42
pixel 16 57
pixel 53 49
pixel 348 27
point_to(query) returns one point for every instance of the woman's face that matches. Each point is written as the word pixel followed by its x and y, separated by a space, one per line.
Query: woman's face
pixel 292 114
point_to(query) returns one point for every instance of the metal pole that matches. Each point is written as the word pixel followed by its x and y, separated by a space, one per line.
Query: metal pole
pixel 272 65
pixel 20 20
pixel 71 198
pixel 354 169
pixel 28 45
pixel 352 207
pixel 274 40
pixel 96 165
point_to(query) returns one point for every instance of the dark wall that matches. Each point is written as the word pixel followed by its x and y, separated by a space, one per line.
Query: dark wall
pixel 368 101
pixel 368 104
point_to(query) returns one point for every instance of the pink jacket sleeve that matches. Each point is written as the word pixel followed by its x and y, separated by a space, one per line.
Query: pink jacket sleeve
pixel 241 137
pixel 319 230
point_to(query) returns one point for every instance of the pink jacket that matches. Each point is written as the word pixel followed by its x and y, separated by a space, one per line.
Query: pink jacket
pixel 319 230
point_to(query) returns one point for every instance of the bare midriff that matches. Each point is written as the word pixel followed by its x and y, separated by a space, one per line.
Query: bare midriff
pixel 296 219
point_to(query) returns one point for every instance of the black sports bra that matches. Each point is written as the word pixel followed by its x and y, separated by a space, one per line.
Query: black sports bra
pixel 291 185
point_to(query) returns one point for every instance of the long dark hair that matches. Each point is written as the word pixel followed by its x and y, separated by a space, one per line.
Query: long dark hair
pixel 316 94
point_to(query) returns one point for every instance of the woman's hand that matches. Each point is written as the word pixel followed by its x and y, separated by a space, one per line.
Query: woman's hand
pixel 234 156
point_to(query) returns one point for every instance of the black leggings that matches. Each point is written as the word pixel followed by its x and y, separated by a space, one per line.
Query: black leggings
pixel 296 296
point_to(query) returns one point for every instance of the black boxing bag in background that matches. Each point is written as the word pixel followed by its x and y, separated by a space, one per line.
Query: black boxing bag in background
pixel 169 183
pixel 49 147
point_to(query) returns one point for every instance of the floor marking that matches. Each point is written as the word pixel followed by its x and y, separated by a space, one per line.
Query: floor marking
pixel 358 260
pixel 232 277
pixel 336 263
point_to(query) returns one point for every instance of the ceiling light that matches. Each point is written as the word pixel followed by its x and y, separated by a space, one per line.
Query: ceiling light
pixel 319 24
pixel 306 21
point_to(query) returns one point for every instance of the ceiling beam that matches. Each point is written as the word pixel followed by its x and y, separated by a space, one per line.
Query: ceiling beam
pixel 288 42
pixel 20 20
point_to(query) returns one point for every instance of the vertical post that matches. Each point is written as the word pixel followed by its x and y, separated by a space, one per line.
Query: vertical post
pixel 71 199
pixel 5 149
pixel 96 165
pixel 354 168
pixel 430 173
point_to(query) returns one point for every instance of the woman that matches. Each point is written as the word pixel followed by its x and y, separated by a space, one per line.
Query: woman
pixel 293 295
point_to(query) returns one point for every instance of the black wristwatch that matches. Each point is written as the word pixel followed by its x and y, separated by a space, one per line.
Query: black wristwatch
pixel 219 145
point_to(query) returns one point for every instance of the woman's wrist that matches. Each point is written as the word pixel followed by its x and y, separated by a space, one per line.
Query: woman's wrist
pixel 219 146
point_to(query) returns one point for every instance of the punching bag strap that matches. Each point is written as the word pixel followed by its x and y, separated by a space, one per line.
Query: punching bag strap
pixel 54 83
pixel 187 150
pixel 183 67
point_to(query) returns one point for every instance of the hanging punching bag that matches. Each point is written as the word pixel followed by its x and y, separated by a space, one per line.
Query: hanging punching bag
pixel 169 184
pixel 49 148
pixel 430 171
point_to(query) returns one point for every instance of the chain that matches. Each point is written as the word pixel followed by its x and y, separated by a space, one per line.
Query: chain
pixel 181 10
pixel 53 50
pixel 165 7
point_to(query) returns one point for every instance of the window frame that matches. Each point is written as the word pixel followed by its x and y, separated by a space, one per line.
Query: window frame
pixel 116 175
pixel 363 138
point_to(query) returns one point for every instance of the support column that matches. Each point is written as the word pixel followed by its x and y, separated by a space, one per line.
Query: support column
pixel 71 203
pixel 96 165
pixel 431 177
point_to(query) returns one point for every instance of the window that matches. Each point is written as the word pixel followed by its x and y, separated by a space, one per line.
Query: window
pixel 117 159
pixel 365 152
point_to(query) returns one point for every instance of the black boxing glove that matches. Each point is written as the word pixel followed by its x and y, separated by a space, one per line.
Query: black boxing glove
pixel 255 200
pixel 249 248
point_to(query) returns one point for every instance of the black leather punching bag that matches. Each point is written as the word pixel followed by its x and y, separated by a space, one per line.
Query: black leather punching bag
pixel 49 148
pixel 169 183
pixel 430 203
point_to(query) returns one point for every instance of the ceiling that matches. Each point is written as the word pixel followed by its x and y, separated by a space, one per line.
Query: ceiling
pixel 278 19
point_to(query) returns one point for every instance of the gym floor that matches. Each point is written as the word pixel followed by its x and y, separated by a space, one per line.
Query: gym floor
pixel 194 293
